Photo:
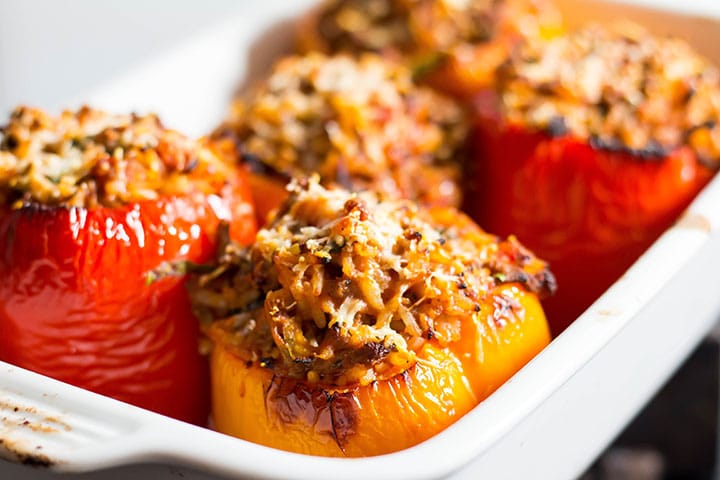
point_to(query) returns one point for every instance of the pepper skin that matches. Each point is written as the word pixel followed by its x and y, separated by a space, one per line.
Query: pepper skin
pixel 75 303
pixel 383 416
pixel 589 212
pixel 268 192
pixel 267 188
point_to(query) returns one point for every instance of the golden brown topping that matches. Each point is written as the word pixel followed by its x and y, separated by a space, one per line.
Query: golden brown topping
pixel 420 27
pixel 361 124
pixel 90 158
pixel 621 88
pixel 344 288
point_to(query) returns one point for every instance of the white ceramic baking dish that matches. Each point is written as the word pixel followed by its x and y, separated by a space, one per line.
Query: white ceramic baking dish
pixel 549 421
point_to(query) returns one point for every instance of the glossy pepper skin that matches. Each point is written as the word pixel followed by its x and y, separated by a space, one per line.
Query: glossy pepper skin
pixel 268 193
pixel 76 305
pixel 267 189
pixel 384 416
pixel 588 211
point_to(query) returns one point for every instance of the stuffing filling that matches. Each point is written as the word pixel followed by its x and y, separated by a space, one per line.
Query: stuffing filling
pixel 417 27
pixel 361 124
pixel 621 88
pixel 344 288
pixel 89 158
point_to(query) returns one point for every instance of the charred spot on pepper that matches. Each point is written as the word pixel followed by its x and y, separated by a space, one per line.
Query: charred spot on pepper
pixel 343 417
pixel 329 412
pixel 610 144
pixel 557 127
pixel 651 151
pixel 30 208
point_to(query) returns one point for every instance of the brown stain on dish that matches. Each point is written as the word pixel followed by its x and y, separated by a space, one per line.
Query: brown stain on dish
pixel 33 419
pixel 22 455
pixel 15 418
pixel 329 412
pixel 694 221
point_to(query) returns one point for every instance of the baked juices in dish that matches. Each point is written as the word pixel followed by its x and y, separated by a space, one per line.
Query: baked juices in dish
pixel 358 123
pixel 590 148
pixel 91 204
pixel 357 325
pixel 453 45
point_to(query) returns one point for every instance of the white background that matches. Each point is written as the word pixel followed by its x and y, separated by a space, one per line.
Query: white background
pixel 52 51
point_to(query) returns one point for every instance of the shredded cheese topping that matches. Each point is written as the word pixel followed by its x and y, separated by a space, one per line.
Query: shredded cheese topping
pixel 344 288
pixel 359 123
pixel 90 158
pixel 621 88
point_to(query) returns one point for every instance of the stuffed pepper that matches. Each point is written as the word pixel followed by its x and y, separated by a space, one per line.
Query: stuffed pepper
pixel 359 325
pixel 590 148
pixel 455 46
pixel 91 206
pixel 360 124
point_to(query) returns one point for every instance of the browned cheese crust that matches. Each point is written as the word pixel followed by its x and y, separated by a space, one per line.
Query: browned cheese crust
pixel 619 87
pixel 361 124
pixel 343 288
pixel 89 158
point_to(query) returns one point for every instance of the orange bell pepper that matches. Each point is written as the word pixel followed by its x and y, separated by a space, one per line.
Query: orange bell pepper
pixel 249 402
pixel 311 367
pixel 267 187
pixel 268 193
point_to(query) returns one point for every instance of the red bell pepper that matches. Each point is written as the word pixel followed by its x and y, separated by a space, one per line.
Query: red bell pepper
pixel 589 211
pixel 75 303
